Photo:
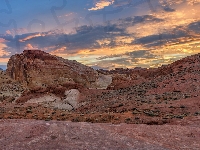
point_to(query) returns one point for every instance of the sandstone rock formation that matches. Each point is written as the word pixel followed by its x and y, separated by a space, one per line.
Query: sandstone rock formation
pixel 150 96
pixel 51 80
pixel 35 68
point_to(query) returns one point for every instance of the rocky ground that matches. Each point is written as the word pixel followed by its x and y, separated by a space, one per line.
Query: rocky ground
pixel 51 135
pixel 156 114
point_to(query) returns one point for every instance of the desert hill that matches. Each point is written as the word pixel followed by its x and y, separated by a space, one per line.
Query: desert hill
pixel 56 86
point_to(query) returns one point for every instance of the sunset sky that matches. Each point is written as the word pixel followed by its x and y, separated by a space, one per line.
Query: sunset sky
pixel 102 33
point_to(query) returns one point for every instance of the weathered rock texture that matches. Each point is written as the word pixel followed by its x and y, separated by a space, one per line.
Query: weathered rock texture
pixel 102 82
pixel 31 134
pixel 140 96
pixel 9 89
pixel 68 102
pixel 35 68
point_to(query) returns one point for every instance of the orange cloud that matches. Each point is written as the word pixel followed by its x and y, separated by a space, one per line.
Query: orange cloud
pixel 2 52
pixel 59 51
pixel 193 2
pixel 101 4
pixel 4 60
pixel 2 47
pixel 29 46
pixel 31 36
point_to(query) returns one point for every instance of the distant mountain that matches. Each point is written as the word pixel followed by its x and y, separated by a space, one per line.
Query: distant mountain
pixel 3 67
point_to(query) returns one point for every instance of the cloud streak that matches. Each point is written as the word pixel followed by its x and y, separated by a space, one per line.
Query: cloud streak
pixel 101 4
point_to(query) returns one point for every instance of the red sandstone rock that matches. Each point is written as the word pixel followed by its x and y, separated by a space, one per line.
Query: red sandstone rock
pixel 35 68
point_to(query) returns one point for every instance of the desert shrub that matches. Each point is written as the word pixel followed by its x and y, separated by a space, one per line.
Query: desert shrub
pixel 24 99
pixel 38 90
pixel 72 86
pixel 58 91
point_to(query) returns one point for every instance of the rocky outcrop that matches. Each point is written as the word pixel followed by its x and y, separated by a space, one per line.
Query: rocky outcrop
pixel 52 81
pixel 35 68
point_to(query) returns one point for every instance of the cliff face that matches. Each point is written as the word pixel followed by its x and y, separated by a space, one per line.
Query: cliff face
pixel 35 68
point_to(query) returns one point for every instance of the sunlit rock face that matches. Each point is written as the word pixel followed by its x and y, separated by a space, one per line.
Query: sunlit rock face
pixel 35 68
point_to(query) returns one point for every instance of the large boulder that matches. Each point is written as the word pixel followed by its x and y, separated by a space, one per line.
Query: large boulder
pixel 35 68
pixel 68 102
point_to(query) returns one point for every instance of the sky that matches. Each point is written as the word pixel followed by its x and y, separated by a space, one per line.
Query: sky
pixel 103 34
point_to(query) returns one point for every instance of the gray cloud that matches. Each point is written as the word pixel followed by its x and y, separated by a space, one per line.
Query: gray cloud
pixel 168 9
pixel 140 19
pixel 132 56
pixel 85 37
pixel 195 26
pixel 170 35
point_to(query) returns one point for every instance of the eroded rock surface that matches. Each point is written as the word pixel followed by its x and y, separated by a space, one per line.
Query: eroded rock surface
pixel 31 134
pixel 102 82
pixel 68 102
pixel 35 68
pixel 140 96
pixel 9 88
